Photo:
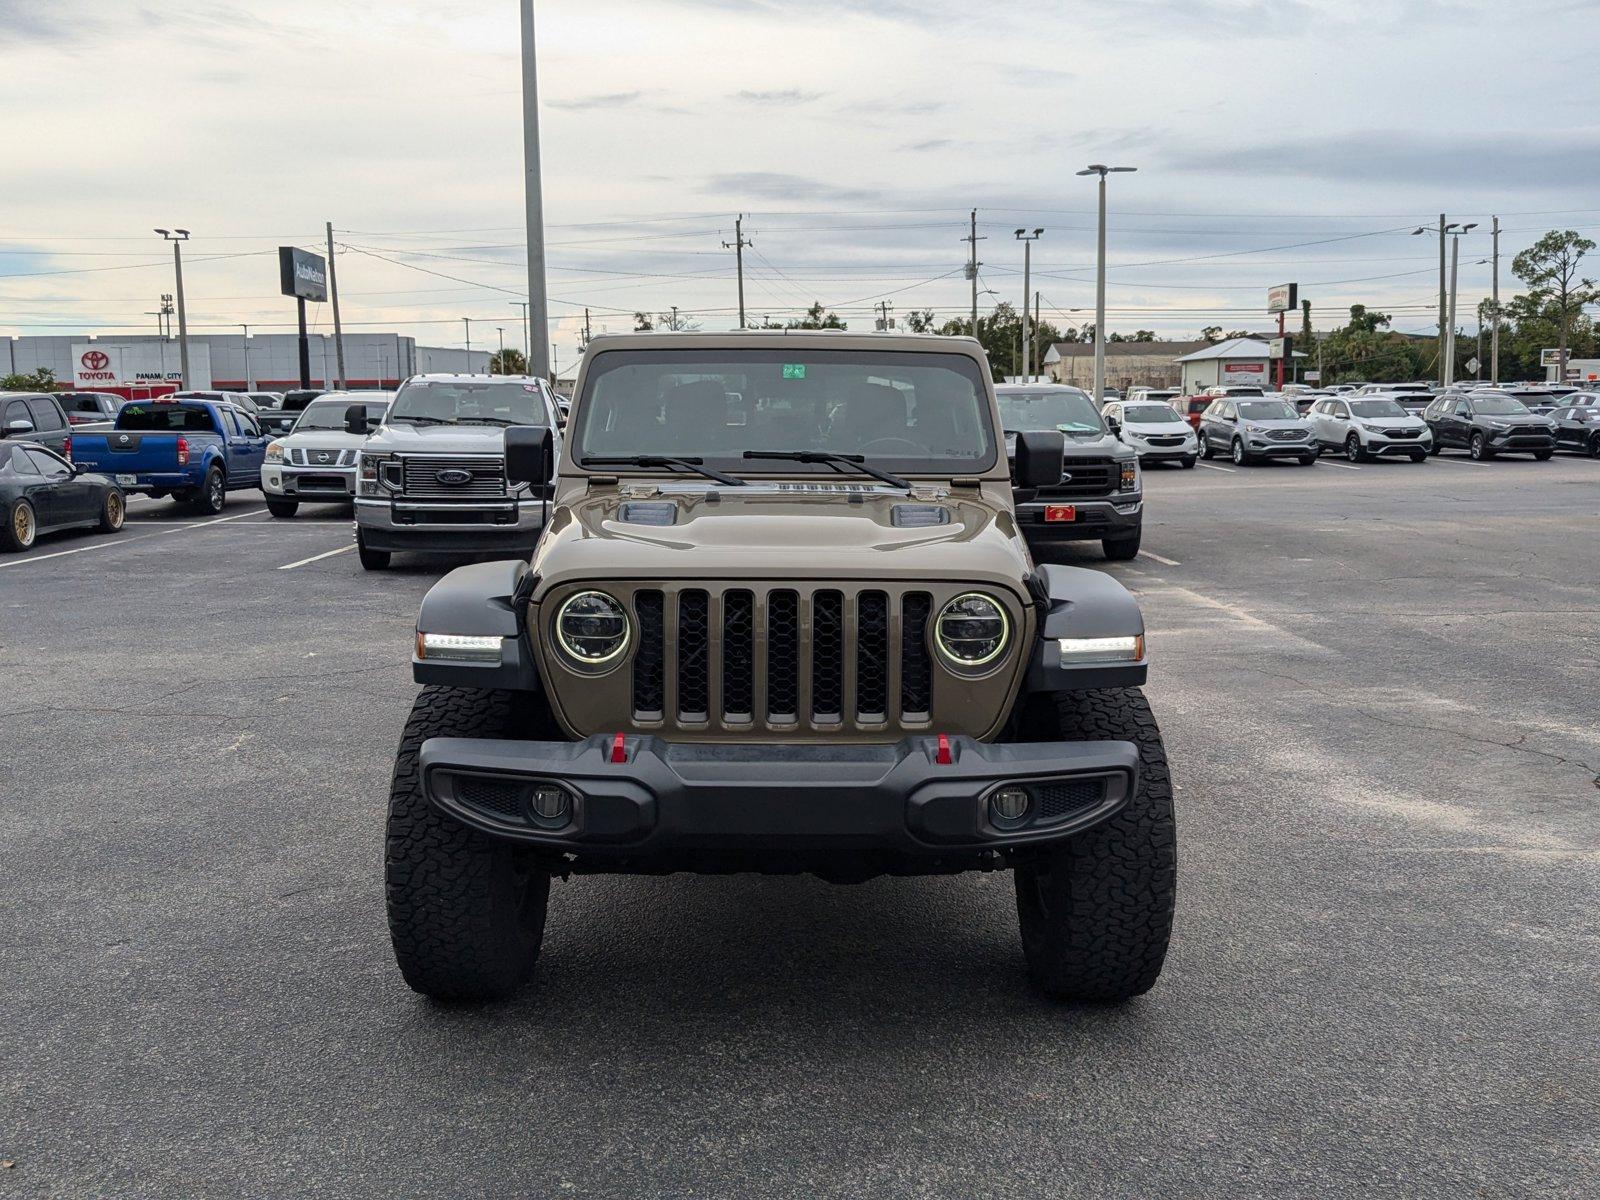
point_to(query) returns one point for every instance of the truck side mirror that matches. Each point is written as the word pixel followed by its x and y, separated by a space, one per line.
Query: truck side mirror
pixel 355 420
pixel 1114 425
pixel 1039 457
pixel 530 454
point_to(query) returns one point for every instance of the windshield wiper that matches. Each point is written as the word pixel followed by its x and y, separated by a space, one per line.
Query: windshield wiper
pixel 858 461
pixel 662 460
pixel 418 420
pixel 486 421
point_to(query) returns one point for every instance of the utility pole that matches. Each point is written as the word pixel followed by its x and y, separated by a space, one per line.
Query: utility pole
pixel 178 237
pixel 1494 298
pixel 338 330
pixel 249 383
pixel 737 246
pixel 884 319
pixel 533 198
pixel 467 321
pixel 1100 284
pixel 501 331
pixel 1027 239
pixel 1036 314
pixel 526 333
pixel 1442 227
pixel 972 239
pixel 1450 336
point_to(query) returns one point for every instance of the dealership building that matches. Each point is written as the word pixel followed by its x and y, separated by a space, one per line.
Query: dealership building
pixel 140 365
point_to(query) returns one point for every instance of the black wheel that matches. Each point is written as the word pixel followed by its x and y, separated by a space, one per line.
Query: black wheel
pixel 1307 460
pixel 213 494
pixel 466 911
pixel 1419 456
pixel 1353 450
pixel 1096 914
pixel 1122 549
pixel 1478 448
pixel 1543 455
pixel 371 560
pixel 1433 446
pixel 1205 447
pixel 1241 457
pixel 113 512
pixel 21 527
pixel 1594 446
pixel 283 509
pixel 1188 463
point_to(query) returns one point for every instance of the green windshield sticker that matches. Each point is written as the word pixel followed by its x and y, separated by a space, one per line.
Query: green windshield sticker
pixel 794 370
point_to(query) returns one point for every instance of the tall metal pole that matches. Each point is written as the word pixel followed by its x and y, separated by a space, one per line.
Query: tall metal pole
pixel 1442 316
pixel 1450 331
pixel 305 344
pixel 1100 302
pixel 249 383
pixel 1027 308
pixel 501 331
pixel 1494 298
pixel 467 321
pixel 533 199
pixel 338 329
pixel 177 237
pixel 737 246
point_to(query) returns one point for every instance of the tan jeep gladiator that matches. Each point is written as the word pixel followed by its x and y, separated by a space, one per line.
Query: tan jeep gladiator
pixel 781 619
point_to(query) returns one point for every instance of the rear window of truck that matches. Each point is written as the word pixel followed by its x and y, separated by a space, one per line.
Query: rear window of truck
pixel 165 418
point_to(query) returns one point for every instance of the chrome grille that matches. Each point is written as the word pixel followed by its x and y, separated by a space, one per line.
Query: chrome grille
pixel 823 658
pixel 1286 435
pixel 485 476
pixel 302 457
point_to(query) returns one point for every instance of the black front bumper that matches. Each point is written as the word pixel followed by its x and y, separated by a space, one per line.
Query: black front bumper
pixel 1092 519
pixel 674 799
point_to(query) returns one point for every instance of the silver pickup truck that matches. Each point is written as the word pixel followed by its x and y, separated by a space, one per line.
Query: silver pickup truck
pixel 432 477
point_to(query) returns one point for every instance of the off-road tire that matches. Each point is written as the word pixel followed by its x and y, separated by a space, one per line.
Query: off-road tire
pixel 212 495
pixel 1096 914
pixel 113 512
pixel 283 509
pixel 371 560
pixel 1122 549
pixel 21 528
pixel 466 911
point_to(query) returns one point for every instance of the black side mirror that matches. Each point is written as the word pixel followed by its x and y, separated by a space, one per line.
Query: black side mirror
pixel 355 420
pixel 1114 425
pixel 1039 457
pixel 530 454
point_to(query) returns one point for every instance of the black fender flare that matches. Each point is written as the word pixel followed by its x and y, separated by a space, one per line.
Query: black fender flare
pixel 1077 602
pixel 482 600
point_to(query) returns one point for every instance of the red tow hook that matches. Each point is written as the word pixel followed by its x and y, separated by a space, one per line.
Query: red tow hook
pixel 619 752
pixel 943 758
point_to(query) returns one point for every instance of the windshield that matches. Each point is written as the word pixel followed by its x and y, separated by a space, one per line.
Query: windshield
pixel 330 414
pixel 1151 414
pixel 176 418
pixel 1376 408
pixel 1267 410
pixel 457 402
pixel 1066 409
pixel 906 412
pixel 1499 406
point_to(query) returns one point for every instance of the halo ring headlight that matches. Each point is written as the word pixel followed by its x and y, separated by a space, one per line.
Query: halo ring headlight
pixel 592 629
pixel 972 630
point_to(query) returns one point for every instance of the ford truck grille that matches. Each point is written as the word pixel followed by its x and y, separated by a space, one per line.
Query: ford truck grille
pixel 814 658
pixel 453 477
pixel 1081 478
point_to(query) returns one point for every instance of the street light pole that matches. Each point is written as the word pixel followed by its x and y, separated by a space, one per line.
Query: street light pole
pixel 249 384
pixel 526 335
pixel 177 237
pixel 1494 299
pixel 1450 333
pixel 533 200
pixel 467 321
pixel 1100 284
pixel 1027 239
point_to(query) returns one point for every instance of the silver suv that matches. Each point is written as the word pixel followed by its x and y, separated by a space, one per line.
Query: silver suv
pixel 1251 428
pixel 432 477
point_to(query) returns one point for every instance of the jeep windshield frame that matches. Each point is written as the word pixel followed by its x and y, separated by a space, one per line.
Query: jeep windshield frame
pixel 911 413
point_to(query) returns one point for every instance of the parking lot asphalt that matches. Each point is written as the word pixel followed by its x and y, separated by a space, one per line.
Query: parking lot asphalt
pixel 1378 690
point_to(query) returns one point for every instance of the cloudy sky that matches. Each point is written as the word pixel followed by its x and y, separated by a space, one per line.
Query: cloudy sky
pixel 1291 139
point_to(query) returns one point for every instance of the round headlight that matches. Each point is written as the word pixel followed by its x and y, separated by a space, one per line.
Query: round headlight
pixel 972 630
pixel 592 628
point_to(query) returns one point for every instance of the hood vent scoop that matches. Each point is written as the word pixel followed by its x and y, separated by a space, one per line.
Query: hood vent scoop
pixel 919 516
pixel 637 512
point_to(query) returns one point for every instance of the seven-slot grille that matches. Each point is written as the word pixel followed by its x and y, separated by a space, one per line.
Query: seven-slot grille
pixel 485 476
pixel 802 658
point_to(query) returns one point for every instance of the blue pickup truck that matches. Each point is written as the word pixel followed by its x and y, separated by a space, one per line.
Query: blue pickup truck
pixel 196 451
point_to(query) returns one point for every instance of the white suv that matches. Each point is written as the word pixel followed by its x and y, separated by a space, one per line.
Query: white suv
pixel 315 462
pixel 1370 426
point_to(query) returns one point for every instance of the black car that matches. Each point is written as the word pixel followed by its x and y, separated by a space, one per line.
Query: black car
pixel 1578 428
pixel 87 408
pixel 35 417
pixel 282 418
pixel 1485 424
pixel 41 492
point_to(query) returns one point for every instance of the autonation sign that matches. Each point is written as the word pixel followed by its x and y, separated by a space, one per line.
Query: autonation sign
pixel 302 273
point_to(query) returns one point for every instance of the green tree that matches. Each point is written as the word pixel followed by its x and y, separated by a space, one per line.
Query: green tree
pixel 1366 349
pixel 41 380
pixel 817 318
pixel 1550 268
pixel 1212 334
pixel 920 322
pixel 1143 335
pixel 643 322
pixel 507 362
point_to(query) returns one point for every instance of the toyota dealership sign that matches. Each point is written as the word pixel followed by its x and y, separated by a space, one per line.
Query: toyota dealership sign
pixel 140 364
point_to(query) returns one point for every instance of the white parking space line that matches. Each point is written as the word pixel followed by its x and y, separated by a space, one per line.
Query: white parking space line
pixel 121 541
pixel 1214 467
pixel 1346 466
pixel 1166 562
pixel 1460 462
pixel 317 557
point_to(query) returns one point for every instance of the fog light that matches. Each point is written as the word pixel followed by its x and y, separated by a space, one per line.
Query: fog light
pixel 551 803
pixel 1010 804
pixel 458 647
